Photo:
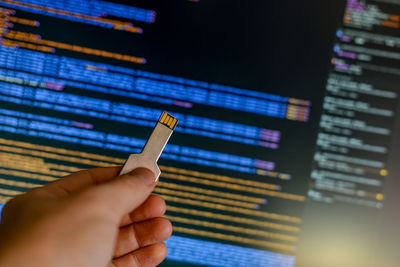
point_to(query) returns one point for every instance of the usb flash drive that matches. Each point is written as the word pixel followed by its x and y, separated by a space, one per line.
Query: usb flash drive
pixel 153 148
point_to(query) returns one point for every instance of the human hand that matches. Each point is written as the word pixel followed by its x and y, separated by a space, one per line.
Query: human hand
pixel 86 219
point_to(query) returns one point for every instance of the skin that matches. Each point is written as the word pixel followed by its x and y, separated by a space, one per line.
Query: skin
pixel 90 218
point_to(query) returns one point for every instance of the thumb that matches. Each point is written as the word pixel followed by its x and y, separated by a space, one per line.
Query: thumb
pixel 124 193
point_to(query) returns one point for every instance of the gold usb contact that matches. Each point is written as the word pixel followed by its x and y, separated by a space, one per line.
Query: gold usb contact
pixel 168 120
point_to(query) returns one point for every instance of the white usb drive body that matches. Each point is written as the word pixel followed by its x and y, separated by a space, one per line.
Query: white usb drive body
pixel 153 148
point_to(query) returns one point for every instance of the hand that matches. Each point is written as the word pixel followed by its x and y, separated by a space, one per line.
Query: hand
pixel 86 219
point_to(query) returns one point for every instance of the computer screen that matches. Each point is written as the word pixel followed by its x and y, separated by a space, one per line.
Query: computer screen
pixel 285 153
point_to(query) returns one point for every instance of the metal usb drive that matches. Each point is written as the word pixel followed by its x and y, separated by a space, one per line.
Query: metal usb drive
pixel 153 148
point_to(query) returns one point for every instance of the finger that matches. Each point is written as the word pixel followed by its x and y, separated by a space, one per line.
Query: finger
pixel 80 180
pixel 122 195
pixel 142 234
pixel 153 207
pixel 145 257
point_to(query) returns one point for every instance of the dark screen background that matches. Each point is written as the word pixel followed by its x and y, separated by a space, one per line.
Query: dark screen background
pixel 277 47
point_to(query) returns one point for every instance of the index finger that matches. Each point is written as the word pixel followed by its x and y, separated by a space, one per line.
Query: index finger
pixel 80 180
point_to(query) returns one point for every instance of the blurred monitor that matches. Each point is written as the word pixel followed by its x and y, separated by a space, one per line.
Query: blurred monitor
pixel 286 151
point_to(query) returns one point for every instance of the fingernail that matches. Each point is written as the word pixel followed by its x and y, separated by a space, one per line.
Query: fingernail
pixel 146 175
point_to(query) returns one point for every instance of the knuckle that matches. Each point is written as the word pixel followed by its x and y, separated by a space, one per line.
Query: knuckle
pixel 135 260
pixel 135 236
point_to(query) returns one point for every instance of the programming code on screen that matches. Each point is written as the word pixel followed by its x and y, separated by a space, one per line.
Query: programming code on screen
pixel 354 162
pixel 358 119
pixel 69 105
pixel 82 84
